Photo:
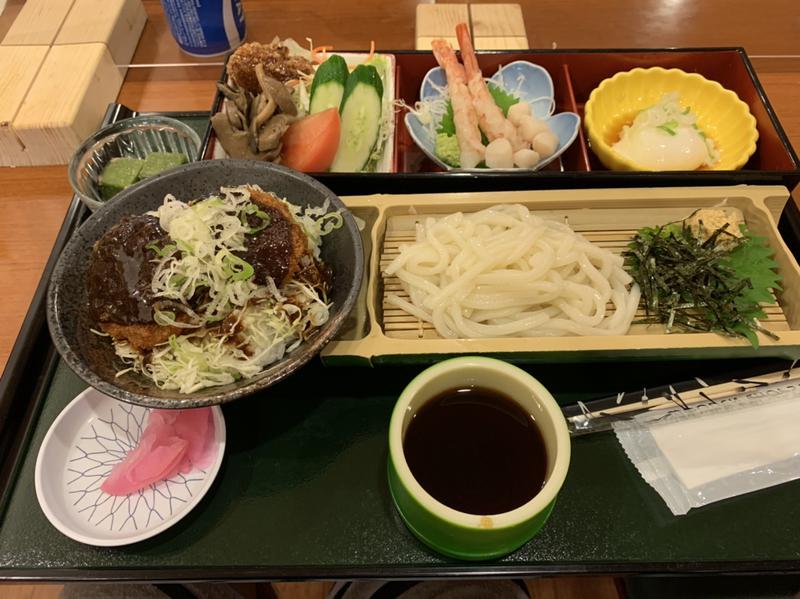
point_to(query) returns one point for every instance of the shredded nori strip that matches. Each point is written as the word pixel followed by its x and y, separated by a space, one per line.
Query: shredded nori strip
pixel 688 284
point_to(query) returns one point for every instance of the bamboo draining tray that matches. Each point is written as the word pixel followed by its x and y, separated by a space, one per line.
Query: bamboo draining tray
pixel 380 334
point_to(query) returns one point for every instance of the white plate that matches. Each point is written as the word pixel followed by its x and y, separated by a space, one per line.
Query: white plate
pixel 92 434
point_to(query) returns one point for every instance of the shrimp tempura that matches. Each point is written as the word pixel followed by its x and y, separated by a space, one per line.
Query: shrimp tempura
pixel 464 116
pixel 491 119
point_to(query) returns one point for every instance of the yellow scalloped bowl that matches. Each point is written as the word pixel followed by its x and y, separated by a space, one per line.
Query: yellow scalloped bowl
pixel 720 114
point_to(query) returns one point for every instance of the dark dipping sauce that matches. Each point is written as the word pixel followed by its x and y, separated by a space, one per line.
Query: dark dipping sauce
pixel 476 450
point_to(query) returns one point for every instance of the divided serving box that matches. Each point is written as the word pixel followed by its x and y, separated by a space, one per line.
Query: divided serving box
pixel 378 333
pixel 575 74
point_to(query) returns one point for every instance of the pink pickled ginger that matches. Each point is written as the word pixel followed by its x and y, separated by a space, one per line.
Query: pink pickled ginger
pixel 173 442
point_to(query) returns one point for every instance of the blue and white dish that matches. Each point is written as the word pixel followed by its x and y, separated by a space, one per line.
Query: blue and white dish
pixel 529 82
pixel 90 436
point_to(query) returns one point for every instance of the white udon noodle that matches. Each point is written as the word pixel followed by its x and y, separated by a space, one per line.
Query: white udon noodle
pixel 506 272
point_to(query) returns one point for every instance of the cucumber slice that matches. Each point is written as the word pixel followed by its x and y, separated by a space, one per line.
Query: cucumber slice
pixel 361 119
pixel 328 85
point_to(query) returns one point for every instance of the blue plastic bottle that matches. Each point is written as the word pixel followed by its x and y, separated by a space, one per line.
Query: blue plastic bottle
pixel 205 27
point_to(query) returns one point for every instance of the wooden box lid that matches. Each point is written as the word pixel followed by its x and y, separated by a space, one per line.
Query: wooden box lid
pixel 84 79
pixel 115 23
pixel 37 23
pixel 18 68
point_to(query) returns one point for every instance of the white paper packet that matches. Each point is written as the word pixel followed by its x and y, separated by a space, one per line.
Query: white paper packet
pixel 715 450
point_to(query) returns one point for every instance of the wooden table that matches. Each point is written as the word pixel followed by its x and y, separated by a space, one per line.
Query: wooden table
pixel 33 200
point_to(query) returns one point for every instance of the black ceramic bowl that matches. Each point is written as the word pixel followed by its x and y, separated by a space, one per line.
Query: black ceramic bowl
pixel 92 357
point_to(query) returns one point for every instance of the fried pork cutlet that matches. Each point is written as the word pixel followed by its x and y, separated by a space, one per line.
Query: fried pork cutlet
pixel 140 336
pixel 119 279
pixel 278 250
pixel 122 265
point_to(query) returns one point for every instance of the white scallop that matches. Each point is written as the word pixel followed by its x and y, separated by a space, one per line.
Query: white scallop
pixel 499 154
pixel 530 127
pixel 526 158
pixel 517 111
pixel 545 143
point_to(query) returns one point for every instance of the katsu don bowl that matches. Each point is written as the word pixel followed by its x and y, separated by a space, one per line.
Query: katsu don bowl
pixel 205 284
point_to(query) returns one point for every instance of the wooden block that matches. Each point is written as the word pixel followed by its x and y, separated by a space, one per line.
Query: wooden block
pixel 18 68
pixel 66 102
pixel 37 23
pixel 116 23
pixel 501 43
pixel 438 21
pixel 497 20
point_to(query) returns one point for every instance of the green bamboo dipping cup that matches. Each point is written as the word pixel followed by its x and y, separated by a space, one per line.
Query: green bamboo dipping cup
pixel 476 536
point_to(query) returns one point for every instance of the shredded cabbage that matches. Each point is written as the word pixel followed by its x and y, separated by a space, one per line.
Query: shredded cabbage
pixel 381 64
pixel 238 327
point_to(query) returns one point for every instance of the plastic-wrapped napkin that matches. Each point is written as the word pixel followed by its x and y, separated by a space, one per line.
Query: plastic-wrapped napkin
pixel 715 450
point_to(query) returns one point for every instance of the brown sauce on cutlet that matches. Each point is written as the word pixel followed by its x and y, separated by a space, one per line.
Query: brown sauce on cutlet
pixel 276 250
pixel 120 271
pixel 270 250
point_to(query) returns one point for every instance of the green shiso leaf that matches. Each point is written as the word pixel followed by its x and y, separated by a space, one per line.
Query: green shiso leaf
pixel 502 98
pixel 695 285
pixel 753 261
pixel 447 124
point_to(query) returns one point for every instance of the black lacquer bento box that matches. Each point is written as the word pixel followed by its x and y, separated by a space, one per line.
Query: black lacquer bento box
pixel 575 73
pixel 37 384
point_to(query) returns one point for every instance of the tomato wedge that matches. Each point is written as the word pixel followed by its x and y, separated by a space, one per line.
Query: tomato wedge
pixel 310 144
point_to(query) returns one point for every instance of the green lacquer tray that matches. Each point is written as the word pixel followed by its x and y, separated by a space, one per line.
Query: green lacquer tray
pixel 302 492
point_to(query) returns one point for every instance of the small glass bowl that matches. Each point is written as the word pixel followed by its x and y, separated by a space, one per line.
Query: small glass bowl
pixel 133 138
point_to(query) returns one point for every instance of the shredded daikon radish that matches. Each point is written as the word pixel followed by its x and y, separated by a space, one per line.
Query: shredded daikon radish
pixel 430 111
pixel 506 272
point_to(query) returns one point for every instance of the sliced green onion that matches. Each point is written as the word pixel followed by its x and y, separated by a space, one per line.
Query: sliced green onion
pixel 185 247
pixel 254 210
pixel 161 252
pixel 669 127
pixel 164 317
pixel 241 270
pixel 177 280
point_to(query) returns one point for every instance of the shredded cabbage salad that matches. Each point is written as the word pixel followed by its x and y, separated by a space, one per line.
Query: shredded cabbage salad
pixel 381 64
pixel 301 96
pixel 231 327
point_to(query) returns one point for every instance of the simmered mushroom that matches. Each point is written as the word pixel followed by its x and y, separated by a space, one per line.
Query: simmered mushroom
pixel 251 127
pixel 277 90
